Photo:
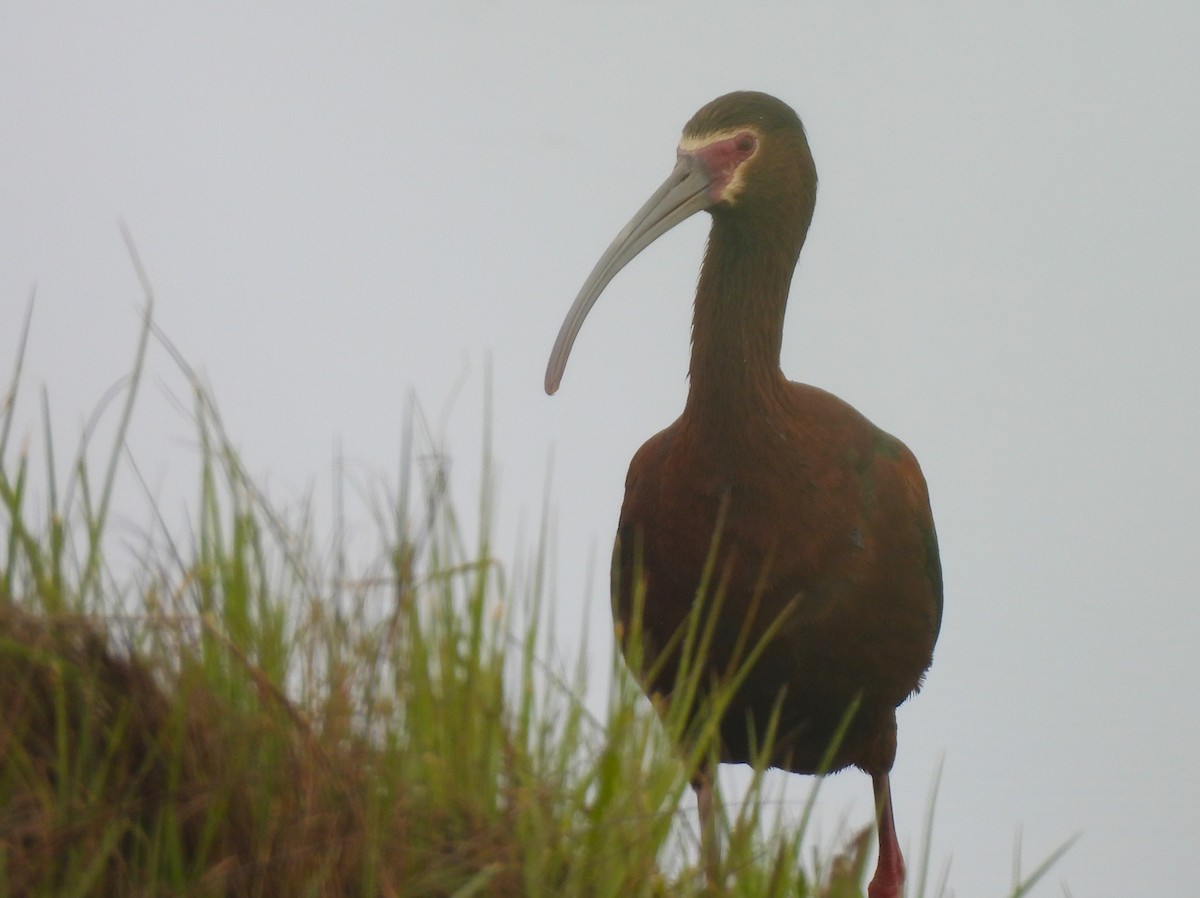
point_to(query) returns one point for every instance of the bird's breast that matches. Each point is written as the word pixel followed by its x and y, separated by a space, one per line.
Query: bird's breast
pixel 817 515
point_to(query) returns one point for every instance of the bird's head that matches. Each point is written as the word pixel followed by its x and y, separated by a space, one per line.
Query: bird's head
pixel 752 151
pixel 744 157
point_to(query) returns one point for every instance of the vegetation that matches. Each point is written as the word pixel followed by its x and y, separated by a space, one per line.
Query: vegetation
pixel 232 711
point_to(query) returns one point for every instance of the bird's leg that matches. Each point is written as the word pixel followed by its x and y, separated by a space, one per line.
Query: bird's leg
pixel 888 881
pixel 710 849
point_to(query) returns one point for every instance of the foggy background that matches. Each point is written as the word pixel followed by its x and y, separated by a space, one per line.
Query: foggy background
pixel 339 207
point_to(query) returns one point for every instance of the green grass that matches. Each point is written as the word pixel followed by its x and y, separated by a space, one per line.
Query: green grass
pixel 231 710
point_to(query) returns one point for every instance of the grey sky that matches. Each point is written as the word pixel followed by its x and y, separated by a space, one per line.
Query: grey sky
pixel 337 207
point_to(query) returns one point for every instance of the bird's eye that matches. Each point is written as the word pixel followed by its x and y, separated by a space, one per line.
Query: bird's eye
pixel 746 143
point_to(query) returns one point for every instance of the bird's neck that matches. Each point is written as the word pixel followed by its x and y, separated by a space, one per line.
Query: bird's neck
pixel 737 328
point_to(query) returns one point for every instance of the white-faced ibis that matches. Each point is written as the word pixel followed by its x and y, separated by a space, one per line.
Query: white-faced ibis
pixel 825 526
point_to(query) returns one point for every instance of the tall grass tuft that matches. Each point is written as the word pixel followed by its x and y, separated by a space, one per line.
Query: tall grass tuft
pixel 233 711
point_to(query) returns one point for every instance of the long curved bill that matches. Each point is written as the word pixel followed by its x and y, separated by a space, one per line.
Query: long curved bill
pixel 684 193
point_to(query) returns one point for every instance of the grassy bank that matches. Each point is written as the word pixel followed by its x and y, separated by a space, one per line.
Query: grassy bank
pixel 230 709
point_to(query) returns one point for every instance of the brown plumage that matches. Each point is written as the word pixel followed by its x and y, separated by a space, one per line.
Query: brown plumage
pixel 826 528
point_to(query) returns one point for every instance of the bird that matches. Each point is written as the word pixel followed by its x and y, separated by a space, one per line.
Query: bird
pixel 815 523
